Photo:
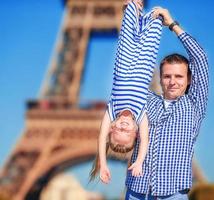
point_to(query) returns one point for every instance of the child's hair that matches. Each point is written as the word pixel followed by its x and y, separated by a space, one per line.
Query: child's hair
pixel 120 149
pixel 96 165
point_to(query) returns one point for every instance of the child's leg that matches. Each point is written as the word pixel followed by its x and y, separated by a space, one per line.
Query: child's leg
pixel 128 30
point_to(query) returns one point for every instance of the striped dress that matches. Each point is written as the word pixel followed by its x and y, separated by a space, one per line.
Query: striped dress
pixel 137 50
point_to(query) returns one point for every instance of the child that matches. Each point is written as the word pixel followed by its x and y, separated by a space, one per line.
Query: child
pixel 135 61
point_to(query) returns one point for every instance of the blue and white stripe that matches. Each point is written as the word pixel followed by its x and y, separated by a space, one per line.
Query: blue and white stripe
pixel 167 168
pixel 137 50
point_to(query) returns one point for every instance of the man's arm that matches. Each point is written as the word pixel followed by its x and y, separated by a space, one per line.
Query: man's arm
pixel 198 90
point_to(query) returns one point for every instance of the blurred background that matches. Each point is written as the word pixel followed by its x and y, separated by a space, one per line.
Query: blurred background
pixel 56 61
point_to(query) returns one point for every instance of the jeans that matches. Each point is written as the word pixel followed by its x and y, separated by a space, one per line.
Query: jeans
pixel 130 195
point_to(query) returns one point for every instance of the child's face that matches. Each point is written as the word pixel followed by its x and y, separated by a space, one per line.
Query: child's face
pixel 123 130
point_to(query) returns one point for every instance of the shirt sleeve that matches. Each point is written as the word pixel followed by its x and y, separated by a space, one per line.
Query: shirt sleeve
pixel 198 91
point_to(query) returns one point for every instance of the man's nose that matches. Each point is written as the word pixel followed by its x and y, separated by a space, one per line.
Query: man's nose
pixel 172 81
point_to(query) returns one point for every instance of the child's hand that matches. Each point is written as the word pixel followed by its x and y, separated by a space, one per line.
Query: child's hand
pixel 105 174
pixel 136 168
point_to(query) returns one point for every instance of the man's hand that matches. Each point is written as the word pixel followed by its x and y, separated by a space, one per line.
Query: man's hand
pixel 105 174
pixel 136 168
pixel 167 19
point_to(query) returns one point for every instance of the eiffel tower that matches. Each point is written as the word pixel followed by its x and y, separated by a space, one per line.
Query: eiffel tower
pixel 58 133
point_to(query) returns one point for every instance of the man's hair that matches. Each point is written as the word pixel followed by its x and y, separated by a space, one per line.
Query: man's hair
pixel 176 59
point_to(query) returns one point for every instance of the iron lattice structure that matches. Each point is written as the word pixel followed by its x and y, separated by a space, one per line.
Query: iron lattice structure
pixel 57 132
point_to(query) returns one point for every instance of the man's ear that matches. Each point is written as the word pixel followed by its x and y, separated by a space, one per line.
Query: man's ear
pixel 189 80
pixel 161 81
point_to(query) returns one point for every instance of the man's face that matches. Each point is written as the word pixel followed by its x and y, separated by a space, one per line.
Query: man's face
pixel 124 131
pixel 174 80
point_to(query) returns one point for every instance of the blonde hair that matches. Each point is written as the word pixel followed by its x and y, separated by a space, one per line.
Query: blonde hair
pixel 119 149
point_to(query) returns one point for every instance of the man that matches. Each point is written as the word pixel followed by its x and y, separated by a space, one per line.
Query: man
pixel 174 122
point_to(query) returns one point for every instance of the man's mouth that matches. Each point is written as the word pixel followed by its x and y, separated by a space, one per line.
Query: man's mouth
pixel 172 89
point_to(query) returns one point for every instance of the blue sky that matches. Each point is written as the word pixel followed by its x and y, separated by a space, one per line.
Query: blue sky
pixel 28 31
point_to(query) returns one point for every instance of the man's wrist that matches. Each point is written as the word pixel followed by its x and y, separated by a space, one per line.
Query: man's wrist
pixel 176 28
pixel 173 24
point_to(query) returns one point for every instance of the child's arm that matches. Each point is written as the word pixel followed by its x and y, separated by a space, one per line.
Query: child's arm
pixel 136 167
pixel 105 175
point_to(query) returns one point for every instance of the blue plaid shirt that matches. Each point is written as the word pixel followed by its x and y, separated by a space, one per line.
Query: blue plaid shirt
pixel 173 130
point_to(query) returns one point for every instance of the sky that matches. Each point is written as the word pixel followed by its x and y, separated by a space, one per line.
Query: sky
pixel 28 32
